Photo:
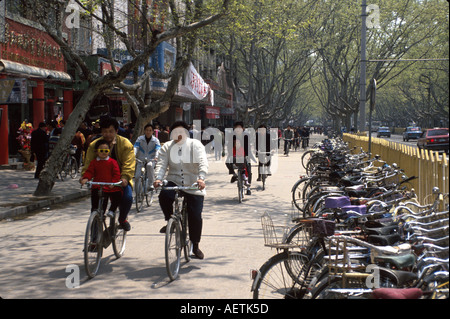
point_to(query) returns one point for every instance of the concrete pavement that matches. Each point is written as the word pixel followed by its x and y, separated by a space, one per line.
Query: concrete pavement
pixel 16 193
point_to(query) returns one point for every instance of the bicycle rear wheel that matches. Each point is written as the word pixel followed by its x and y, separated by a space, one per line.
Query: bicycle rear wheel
pixel 118 236
pixel 93 244
pixel 263 179
pixel 139 198
pixel 173 248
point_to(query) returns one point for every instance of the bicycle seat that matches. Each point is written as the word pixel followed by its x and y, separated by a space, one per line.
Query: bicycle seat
pixel 401 277
pixel 397 293
pixel 386 230
pixel 337 201
pixel 400 262
pixel 384 240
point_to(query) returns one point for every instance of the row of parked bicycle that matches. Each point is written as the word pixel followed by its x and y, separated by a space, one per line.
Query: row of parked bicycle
pixel 358 231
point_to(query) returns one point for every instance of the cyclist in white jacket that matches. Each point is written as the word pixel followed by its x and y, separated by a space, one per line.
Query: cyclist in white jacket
pixel 146 148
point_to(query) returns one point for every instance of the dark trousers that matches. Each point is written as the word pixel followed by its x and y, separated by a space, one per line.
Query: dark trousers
pixel 115 197
pixel 248 166
pixel 194 211
pixel 125 203
pixel 40 158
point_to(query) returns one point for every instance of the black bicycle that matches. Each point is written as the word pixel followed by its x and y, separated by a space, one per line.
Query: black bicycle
pixel 99 235
pixel 240 180
pixel 177 233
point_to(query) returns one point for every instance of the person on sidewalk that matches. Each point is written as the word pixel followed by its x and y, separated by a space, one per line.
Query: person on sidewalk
pixel 39 147
pixel 122 151
pixel 104 169
pixel 288 135
pixel 184 159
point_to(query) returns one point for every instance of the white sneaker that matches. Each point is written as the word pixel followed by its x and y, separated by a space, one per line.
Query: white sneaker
pixel 110 214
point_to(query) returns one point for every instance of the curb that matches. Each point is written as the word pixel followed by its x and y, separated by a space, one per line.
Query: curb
pixel 35 204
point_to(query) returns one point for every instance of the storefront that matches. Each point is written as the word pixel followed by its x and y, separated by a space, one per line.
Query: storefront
pixel 34 85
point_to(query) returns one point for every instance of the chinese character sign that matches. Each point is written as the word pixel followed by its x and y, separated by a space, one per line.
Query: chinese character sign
pixel 196 84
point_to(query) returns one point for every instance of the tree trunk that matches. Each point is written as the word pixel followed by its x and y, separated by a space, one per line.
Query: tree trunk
pixel 56 159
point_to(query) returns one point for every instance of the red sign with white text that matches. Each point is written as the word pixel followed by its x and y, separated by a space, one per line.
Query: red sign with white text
pixel 27 45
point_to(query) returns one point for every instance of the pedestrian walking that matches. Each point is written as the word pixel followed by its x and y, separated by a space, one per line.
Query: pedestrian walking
pixel 39 147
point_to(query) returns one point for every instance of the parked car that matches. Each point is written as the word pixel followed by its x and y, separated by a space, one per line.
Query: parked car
pixel 383 131
pixel 435 139
pixel 411 132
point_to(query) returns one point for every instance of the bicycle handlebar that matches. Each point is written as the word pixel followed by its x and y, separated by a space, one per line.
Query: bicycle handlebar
pixel 90 184
pixel 178 188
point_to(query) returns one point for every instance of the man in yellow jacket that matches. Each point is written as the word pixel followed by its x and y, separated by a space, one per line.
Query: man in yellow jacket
pixel 123 152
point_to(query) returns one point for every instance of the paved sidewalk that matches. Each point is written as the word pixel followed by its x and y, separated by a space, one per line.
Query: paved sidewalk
pixel 16 193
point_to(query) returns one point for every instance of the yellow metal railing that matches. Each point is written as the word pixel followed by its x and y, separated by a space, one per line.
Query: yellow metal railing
pixel 430 167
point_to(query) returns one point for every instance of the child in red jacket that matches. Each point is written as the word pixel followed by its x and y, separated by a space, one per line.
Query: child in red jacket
pixel 104 169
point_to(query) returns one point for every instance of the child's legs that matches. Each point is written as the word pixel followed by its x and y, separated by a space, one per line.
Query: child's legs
pixel 94 199
pixel 115 198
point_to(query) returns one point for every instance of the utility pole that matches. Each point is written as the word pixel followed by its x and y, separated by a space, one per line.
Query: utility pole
pixel 362 80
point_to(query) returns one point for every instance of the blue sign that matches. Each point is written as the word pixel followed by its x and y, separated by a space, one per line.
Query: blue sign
pixel 162 61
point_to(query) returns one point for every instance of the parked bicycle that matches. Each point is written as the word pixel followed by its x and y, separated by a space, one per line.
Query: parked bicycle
pixel 177 232
pixel 70 165
pixel 99 235
pixel 143 187
pixel 287 275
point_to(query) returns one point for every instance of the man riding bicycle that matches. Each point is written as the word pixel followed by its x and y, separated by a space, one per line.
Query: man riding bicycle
pixel 122 151
pixel 185 162
pixel 146 149
pixel 233 159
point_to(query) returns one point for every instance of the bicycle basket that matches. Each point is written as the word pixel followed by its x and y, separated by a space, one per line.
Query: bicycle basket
pixel 272 233
pixel 323 227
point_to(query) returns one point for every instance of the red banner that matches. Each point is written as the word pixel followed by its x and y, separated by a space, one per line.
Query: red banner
pixel 27 45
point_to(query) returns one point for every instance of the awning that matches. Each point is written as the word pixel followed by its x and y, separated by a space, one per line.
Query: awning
pixel 32 71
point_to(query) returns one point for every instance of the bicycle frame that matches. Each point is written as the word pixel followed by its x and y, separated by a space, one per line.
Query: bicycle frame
pixel 99 236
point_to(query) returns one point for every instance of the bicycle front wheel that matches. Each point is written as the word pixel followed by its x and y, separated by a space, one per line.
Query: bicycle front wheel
pixel 73 167
pixel 280 276
pixel 240 184
pixel 139 198
pixel 118 237
pixel 187 244
pixel 173 248
pixel 149 194
pixel 93 244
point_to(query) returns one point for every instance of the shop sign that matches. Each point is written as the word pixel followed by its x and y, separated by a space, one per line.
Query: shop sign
pixel 30 46
pixel 212 112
